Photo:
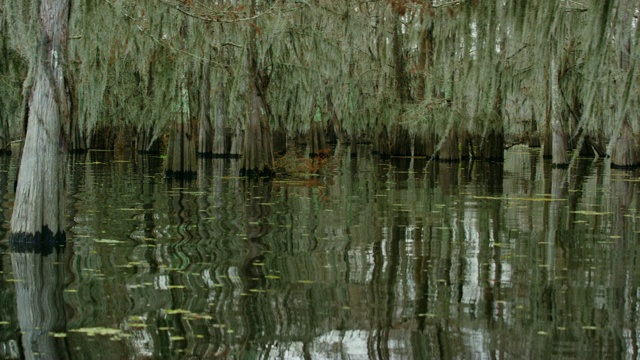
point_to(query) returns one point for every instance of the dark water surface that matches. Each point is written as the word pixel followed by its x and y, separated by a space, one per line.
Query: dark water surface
pixel 375 259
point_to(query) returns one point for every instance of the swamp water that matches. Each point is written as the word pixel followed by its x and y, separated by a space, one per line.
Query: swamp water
pixel 375 259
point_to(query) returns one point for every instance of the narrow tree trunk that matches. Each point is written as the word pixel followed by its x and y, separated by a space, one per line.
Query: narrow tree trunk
pixel 559 136
pixel 335 124
pixel 5 143
pixel 205 133
pixel 534 134
pixel 39 201
pixel 220 146
pixel 146 142
pixel 237 141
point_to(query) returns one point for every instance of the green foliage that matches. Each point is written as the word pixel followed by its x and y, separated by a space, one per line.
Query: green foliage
pixel 478 66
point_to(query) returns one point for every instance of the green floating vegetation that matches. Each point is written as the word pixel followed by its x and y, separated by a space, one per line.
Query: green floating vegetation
pixel 93 331
pixel 591 213
pixel 107 241
pixel 508 198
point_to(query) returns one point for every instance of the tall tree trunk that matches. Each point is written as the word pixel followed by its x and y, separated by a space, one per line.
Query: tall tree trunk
pixel 449 148
pixel 220 147
pixel 237 141
pixel 39 202
pixel 381 145
pixel 205 134
pixel 257 157
pixel 401 139
pixel 317 142
pixel 559 136
pixel 335 123
pixel 181 152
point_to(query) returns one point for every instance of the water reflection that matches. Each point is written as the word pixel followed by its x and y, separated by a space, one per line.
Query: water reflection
pixel 39 279
pixel 400 258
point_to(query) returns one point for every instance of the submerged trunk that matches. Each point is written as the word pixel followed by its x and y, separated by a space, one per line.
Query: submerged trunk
pixel 335 124
pixel 401 141
pixel 237 141
pixel 381 143
pixel 257 157
pixel 449 149
pixel 317 144
pixel 491 147
pixel 624 152
pixel 181 152
pixel 38 217
pixel 423 145
pixel 5 144
pixel 146 142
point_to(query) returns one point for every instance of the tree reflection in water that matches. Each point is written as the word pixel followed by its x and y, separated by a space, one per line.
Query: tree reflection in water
pixel 401 258
pixel 39 281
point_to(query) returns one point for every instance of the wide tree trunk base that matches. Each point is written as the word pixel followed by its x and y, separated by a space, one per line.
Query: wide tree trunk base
pixel 624 153
pixel 492 147
pixel 255 173
pixel 449 151
pixel 401 143
pixel 43 242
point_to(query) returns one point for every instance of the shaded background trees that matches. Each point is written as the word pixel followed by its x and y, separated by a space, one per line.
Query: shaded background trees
pixel 449 79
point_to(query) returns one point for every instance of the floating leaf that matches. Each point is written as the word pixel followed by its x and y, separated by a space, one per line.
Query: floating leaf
pixel 92 331
pixel 426 315
pixel 592 213
pixel 175 311
pixel 589 327
pixel 517 198
pixel 305 282
pixel 58 335
pixel 108 241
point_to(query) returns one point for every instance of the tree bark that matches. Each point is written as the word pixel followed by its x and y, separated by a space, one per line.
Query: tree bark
pixel 449 150
pixel 205 134
pixel 39 202
pixel 181 152
pixel 220 147
pixel 559 137
pixel 624 152
pixel 316 142
pixel 257 157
